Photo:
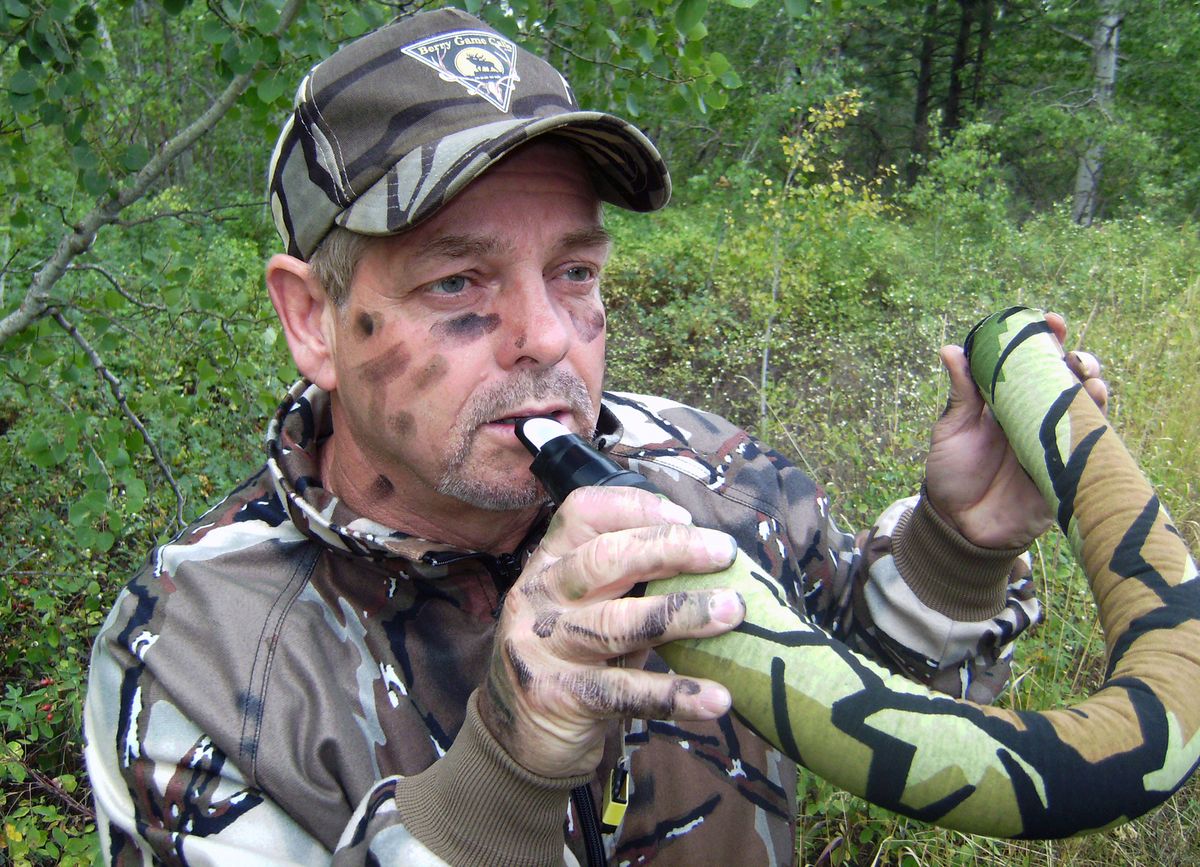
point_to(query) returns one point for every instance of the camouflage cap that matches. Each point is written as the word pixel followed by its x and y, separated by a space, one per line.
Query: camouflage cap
pixel 394 124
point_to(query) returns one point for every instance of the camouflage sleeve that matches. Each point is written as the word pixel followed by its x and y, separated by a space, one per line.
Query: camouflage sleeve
pixel 919 598
pixel 166 793
pixel 163 791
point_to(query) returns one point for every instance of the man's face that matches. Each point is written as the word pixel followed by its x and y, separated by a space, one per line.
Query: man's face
pixel 490 310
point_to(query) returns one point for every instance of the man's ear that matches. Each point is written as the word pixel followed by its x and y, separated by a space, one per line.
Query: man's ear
pixel 307 316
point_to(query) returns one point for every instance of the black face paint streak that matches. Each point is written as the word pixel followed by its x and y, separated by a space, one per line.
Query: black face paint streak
pixel 468 327
pixel 521 342
pixel 687 687
pixel 499 693
pixel 384 367
pixel 401 423
pixel 519 667
pixel 658 620
pixel 381 488
pixel 430 373
pixel 365 323
pixel 589 326
pixel 544 625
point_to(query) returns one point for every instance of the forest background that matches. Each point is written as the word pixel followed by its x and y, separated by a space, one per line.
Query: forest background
pixel 857 181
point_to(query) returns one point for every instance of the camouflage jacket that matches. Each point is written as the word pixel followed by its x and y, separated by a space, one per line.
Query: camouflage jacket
pixel 290 682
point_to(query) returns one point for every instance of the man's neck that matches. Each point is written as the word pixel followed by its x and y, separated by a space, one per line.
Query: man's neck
pixel 439 519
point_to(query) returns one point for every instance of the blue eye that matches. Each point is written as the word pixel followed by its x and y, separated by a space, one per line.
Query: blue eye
pixel 579 274
pixel 448 285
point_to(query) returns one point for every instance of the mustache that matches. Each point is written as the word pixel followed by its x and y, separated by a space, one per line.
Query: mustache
pixel 528 386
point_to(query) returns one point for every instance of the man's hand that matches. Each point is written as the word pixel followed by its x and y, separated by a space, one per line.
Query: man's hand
pixel 972 476
pixel 557 674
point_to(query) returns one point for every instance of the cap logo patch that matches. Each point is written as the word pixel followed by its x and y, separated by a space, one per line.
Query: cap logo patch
pixel 481 62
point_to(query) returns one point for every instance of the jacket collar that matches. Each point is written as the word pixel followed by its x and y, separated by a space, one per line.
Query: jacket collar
pixel 294 438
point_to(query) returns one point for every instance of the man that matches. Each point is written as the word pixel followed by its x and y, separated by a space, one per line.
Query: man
pixel 383 647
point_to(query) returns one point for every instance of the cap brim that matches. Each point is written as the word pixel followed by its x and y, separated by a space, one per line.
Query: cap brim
pixel 627 169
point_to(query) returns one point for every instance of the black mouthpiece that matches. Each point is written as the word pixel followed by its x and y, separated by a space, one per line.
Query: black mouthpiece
pixel 563 461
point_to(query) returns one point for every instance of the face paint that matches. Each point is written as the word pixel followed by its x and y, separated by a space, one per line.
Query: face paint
pixel 384 367
pixel 470 326
pixel 431 373
pixel 382 488
pixel 543 626
pixel 519 667
pixel 660 618
pixel 589 326
pixel 365 323
pixel 401 423
pixel 521 342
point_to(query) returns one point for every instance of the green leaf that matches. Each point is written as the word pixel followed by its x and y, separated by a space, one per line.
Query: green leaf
pixel 16 9
pixel 214 32
pixel 135 494
pixel 37 449
pixel 796 8
pixel 354 24
pixel 61 10
pixel 270 89
pixel 174 7
pixel 718 64
pixel 742 4
pixel 83 157
pixel 267 19
pixel 86 19
pixel 689 15
pixel 22 83
pixel 134 157
pixel 94 182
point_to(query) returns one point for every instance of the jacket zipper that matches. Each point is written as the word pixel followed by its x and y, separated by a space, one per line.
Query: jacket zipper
pixel 589 824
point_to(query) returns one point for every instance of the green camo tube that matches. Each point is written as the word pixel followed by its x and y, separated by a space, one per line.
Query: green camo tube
pixel 987 770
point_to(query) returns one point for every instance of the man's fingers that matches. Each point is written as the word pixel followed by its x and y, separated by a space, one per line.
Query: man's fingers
pixel 592 511
pixel 1058 327
pixel 1084 365
pixel 1086 368
pixel 608 693
pixel 606 629
pixel 611 564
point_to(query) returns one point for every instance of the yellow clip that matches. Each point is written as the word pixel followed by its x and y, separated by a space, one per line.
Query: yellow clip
pixel 616 800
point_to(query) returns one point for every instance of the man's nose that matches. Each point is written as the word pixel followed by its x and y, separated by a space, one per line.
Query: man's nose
pixel 536 327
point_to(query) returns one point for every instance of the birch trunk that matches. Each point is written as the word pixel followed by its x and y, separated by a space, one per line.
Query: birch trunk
pixel 1104 82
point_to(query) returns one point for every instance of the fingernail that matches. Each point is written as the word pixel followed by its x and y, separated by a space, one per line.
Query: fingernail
pixel 674 513
pixel 726 606
pixel 714 700
pixel 720 545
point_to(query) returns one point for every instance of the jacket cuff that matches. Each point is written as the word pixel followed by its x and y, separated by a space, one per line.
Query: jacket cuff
pixel 476 805
pixel 949 574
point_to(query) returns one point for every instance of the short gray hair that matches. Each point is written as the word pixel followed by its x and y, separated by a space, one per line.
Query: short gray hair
pixel 335 260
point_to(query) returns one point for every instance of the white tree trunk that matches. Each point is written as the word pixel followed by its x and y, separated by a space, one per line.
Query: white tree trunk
pixel 1104 82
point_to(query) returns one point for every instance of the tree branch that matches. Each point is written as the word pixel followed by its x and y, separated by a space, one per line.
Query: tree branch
pixel 608 63
pixel 80 239
pixel 52 786
pixel 114 386
pixel 184 214
pixel 88 266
